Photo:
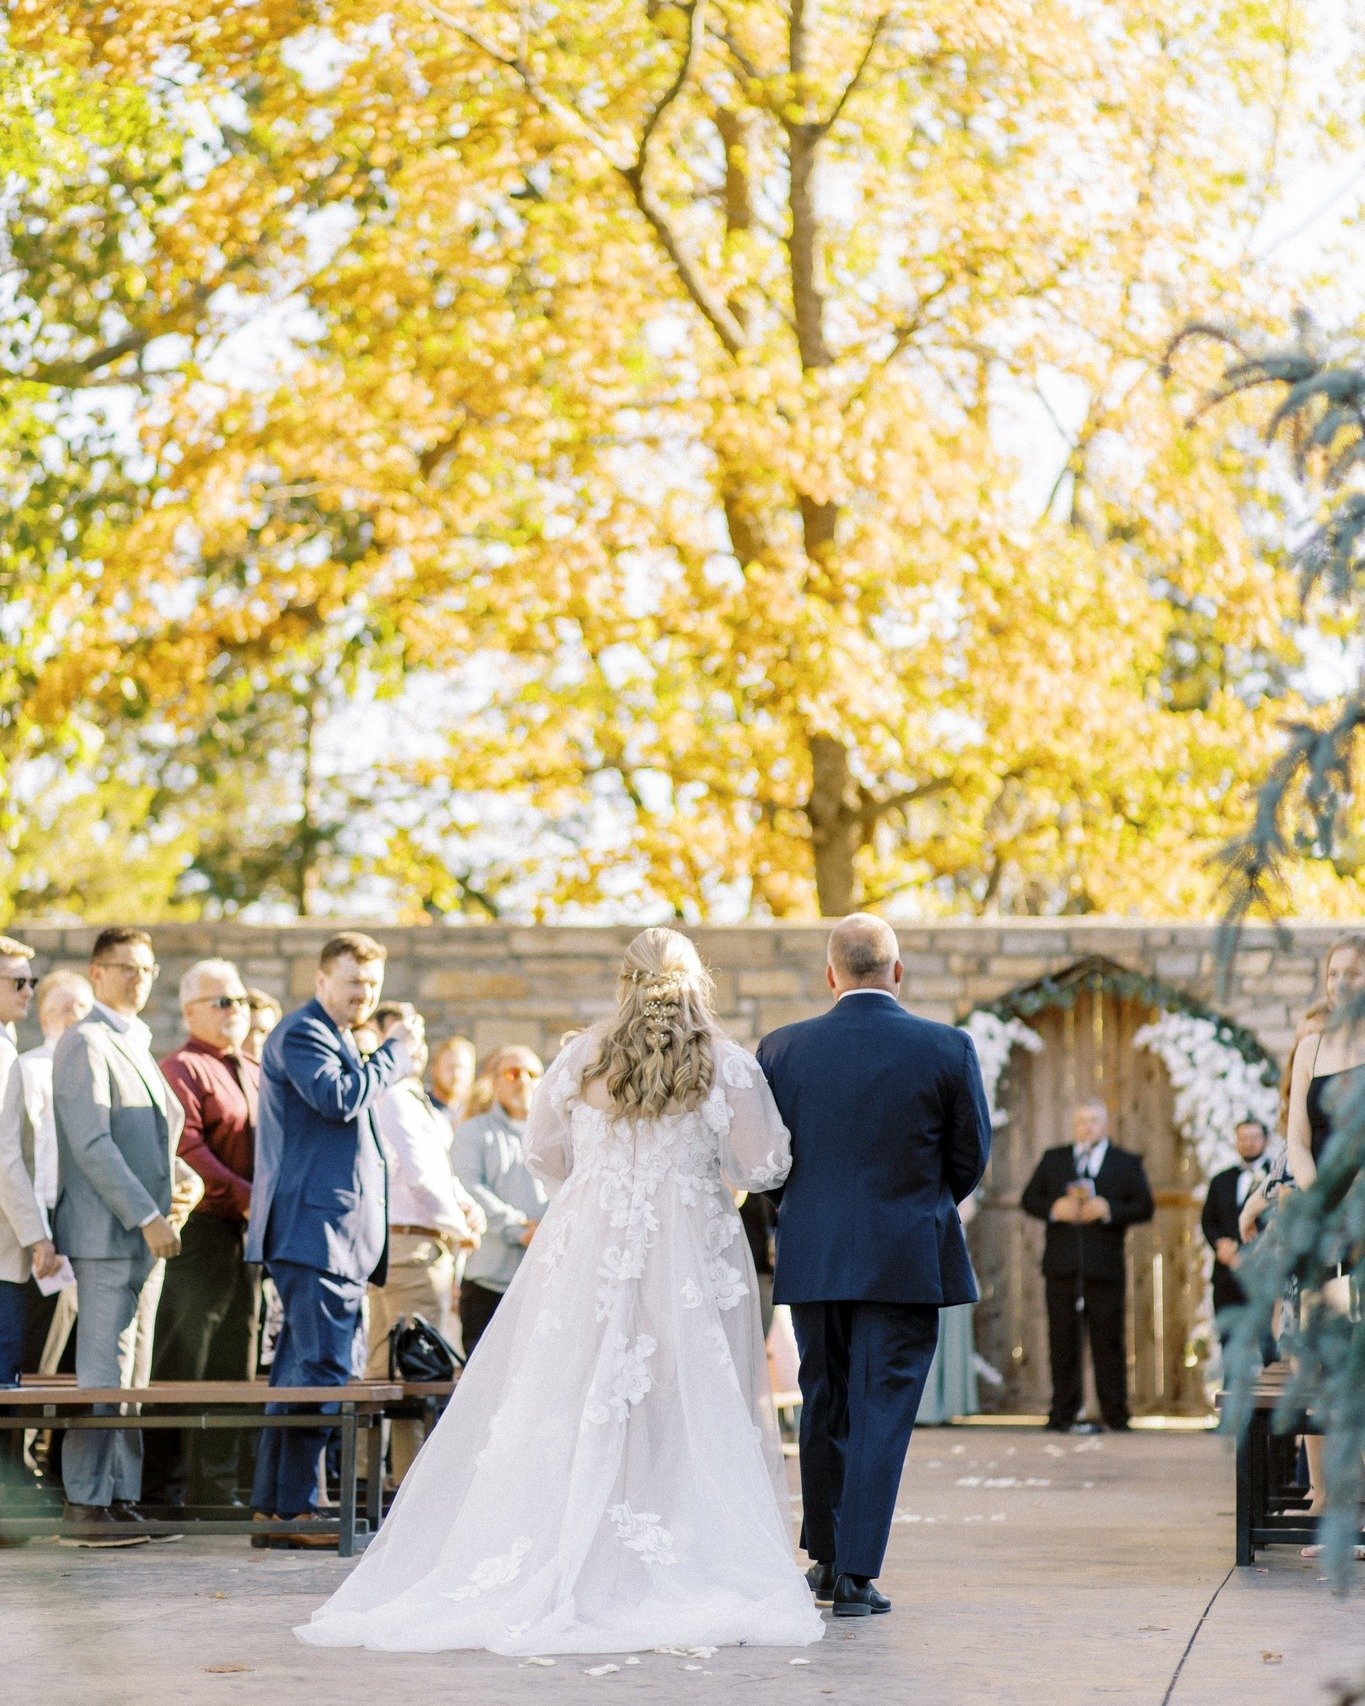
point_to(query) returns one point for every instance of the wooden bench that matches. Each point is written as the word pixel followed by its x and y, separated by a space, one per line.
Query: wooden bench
pixel 354 1410
pixel 1271 1511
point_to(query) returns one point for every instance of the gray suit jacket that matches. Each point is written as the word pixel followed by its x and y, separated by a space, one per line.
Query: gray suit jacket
pixel 118 1124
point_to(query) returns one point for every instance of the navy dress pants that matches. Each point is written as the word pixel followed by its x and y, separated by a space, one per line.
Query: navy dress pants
pixel 863 1368
pixel 314 1348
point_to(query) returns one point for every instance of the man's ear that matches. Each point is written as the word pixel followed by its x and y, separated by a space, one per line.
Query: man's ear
pixel 898 973
pixel 829 979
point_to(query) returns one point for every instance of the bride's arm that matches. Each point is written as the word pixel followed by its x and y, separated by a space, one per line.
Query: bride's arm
pixel 548 1141
pixel 755 1153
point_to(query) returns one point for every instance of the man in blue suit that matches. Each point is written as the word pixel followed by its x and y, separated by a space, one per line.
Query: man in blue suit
pixel 319 1200
pixel 890 1131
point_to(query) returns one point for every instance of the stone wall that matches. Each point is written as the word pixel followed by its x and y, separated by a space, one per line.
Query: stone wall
pixel 503 983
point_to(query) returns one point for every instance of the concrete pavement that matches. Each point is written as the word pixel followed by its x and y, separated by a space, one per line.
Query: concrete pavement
pixel 1026 1570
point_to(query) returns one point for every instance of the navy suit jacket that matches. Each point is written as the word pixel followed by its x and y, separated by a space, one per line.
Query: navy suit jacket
pixel 319 1196
pixel 890 1131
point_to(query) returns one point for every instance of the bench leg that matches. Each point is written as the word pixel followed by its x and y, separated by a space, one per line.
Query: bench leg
pixel 374 1472
pixel 346 1541
pixel 1246 1552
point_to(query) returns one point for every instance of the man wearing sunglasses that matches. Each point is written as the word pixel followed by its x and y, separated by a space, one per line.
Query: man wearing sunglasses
pixel 118 1123
pixel 206 1318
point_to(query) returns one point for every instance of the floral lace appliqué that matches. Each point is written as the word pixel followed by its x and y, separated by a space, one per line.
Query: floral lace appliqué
pixel 727 1283
pixel 495 1572
pixel 691 1295
pixel 642 1532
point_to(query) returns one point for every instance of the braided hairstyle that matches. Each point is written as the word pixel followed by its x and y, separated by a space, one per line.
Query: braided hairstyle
pixel 658 1053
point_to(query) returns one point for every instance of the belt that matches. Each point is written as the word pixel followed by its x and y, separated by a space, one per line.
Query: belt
pixel 419 1231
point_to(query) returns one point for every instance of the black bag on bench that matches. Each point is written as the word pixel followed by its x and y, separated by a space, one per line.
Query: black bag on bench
pixel 417 1352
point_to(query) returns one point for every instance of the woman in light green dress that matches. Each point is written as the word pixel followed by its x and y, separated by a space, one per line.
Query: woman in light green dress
pixel 950 1388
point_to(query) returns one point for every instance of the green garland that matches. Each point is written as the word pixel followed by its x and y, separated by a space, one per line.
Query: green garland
pixel 1105 977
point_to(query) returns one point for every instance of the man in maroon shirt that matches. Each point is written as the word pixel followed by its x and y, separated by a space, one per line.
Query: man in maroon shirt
pixel 206 1320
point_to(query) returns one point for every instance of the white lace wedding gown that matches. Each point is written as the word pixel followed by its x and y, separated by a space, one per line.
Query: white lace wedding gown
pixel 608 1476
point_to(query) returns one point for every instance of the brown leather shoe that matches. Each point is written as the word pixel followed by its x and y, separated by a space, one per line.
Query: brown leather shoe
pixel 306 1542
pixel 100 1528
pixel 264 1542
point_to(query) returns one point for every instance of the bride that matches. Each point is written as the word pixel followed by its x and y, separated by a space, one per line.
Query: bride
pixel 607 1476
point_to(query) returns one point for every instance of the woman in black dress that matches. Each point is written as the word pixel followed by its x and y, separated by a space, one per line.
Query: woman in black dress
pixel 1325 1069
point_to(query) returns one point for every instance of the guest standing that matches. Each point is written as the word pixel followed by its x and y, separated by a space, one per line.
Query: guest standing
pixel 1227 1196
pixel 488 1157
pixel 63 998
pixel 266 1013
pixel 206 1317
pixel 118 1123
pixel 1089 1192
pixel 431 1217
pixel 318 1203
pixel 25 1236
pixel 451 1076
pixel 1326 1072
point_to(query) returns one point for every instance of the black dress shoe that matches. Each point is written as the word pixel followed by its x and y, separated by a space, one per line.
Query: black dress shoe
pixel 821 1578
pixel 126 1512
pixel 855 1596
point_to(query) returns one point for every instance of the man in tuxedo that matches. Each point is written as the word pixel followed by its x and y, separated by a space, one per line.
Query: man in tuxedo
pixel 117 1123
pixel 319 1217
pixel 890 1131
pixel 1089 1192
pixel 1228 1192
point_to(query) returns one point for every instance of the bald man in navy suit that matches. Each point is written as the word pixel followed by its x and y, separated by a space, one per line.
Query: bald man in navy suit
pixel 890 1132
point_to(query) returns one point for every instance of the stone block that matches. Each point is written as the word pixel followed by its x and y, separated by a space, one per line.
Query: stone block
pixel 471 984
pixel 1182 965
pixel 778 981
pixel 1055 944
pixel 736 947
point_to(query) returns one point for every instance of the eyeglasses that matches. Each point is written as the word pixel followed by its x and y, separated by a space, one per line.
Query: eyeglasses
pixel 21 983
pixel 518 1072
pixel 221 1002
pixel 152 971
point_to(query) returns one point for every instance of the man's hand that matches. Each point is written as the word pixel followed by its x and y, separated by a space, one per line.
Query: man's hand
pixel 1093 1209
pixel 162 1238
pixel 46 1261
pixel 1226 1250
pixel 1067 1210
pixel 528 1232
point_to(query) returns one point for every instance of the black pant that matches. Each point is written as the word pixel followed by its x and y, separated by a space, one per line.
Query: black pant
pixel 1103 1316
pixel 863 1368
pixel 205 1330
pixel 478 1305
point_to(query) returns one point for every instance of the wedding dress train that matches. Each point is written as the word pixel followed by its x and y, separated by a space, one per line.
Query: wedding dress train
pixel 608 1475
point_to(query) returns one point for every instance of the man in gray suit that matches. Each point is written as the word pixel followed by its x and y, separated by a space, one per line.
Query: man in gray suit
pixel 118 1123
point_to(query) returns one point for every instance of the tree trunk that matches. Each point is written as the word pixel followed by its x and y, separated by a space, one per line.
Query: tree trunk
pixel 834 812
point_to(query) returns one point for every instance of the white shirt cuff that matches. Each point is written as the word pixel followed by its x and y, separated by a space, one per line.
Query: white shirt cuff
pixel 154 1215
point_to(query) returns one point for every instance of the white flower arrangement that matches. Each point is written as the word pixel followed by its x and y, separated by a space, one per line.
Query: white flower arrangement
pixel 995 1040
pixel 1215 1085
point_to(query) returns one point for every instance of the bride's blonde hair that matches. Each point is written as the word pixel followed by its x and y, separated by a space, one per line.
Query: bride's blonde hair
pixel 657 1054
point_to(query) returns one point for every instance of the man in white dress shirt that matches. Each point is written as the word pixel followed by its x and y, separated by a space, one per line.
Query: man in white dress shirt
pixel 431 1217
pixel 25 1236
pixel 63 999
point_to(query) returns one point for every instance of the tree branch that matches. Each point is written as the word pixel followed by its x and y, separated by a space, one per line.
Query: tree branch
pixel 850 88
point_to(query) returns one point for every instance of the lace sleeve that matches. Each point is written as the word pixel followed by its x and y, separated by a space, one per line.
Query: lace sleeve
pixel 549 1140
pixel 755 1146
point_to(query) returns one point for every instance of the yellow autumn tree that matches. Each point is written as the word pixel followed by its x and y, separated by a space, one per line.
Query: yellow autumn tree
pixel 659 424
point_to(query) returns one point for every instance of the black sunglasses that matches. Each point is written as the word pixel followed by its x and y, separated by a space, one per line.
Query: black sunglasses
pixel 21 982
pixel 222 1002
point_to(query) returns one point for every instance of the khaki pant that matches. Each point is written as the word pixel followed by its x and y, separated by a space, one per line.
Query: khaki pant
pixel 421 1274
